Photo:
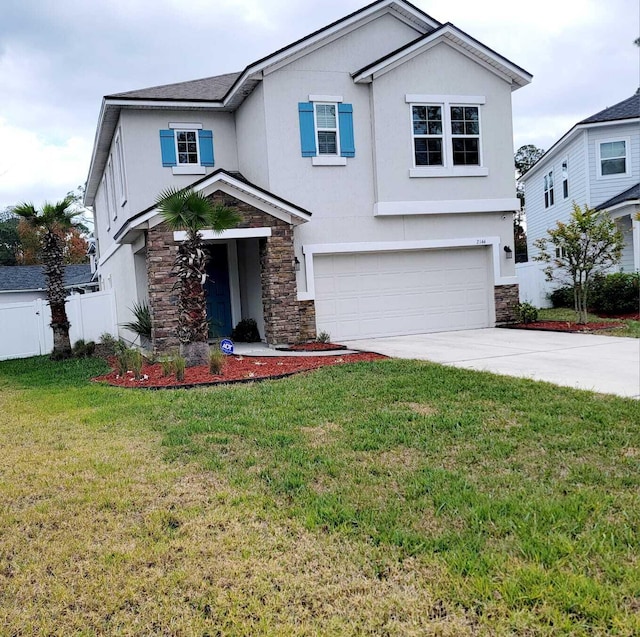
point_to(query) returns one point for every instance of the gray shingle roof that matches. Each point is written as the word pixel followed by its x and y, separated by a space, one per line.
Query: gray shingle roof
pixel 631 194
pixel 626 109
pixel 208 89
pixel 31 277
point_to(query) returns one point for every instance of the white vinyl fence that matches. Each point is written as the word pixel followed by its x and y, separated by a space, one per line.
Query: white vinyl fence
pixel 533 286
pixel 25 327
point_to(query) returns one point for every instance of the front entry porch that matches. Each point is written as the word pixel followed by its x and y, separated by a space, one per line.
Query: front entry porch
pixel 252 275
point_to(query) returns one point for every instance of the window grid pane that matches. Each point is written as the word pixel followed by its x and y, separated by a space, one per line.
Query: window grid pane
pixel 465 131
pixel 187 146
pixel 427 135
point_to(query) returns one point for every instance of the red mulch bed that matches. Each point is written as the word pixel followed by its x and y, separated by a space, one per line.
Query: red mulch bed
pixel 313 346
pixel 237 369
pixel 633 316
pixel 566 326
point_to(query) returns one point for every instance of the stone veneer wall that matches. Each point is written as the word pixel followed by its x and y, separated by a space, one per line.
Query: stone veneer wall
pixel 307 320
pixel 163 298
pixel 285 320
pixel 507 299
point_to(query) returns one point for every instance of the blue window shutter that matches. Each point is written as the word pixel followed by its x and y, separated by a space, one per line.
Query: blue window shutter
pixel 307 129
pixel 205 137
pixel 345 121
pixel 168 148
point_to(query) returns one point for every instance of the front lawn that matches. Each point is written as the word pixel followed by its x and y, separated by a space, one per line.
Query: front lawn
pixel 629 328
pixel 385 498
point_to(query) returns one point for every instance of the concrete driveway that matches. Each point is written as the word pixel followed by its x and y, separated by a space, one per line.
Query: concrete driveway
pixel 604 364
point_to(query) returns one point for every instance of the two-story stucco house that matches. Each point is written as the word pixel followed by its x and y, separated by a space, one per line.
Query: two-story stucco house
pixel 596 163
pixel 372 165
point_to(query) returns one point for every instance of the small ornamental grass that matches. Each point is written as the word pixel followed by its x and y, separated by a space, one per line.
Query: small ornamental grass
pixel 216 362
pixel 179 366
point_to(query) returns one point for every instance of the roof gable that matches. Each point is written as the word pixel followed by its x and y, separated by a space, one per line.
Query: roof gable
pixel 450 34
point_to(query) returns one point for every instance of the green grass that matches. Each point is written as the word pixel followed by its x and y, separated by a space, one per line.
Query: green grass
pixel 396 497
pixel 627 328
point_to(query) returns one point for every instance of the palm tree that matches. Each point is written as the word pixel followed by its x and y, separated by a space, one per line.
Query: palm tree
pixel 52 225
pixel 192 211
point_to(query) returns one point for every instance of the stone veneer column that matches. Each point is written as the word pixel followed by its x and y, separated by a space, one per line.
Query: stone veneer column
pixel 279 289
pixel 507 299
pixel 163 297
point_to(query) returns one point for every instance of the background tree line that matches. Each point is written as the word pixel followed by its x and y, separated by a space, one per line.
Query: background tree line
pixel 20 241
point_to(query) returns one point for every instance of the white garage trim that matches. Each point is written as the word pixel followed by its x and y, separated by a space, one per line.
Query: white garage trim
pixel 452 206
pixel 312 249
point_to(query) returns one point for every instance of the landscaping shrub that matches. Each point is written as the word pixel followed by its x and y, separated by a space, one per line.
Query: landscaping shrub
pixel 527 313
pixel 246 331
pixel 616 293
pixel 324 337
pixel 179 365
pixel 82 349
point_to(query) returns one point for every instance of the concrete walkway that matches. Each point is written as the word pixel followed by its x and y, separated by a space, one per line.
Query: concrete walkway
pixel 605 364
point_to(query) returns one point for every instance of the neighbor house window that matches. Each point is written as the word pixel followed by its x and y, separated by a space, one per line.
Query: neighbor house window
pixel 548 189
pixel 613 157
pixel 465 135
pixel 565 178
pixel 427 135
pixel 561 253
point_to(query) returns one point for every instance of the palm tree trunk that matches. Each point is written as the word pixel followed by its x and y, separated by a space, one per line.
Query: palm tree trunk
pixel 54 273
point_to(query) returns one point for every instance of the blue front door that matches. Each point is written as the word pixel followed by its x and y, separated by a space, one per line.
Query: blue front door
pixel 218 292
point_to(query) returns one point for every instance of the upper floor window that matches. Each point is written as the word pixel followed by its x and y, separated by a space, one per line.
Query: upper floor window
pixel 548 189
pixel 465 135
pixel 326 130
pixel 427 135
pixel 565 178
pixel 121 179
pixel 446 136
pixel 187 148
pixel 613 157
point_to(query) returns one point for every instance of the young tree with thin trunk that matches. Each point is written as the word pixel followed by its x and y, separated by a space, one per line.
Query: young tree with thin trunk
pixel 589 244
pixel 52 225
pixel 191 211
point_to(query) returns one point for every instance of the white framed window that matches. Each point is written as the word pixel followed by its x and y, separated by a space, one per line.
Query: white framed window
pixel 561 252
pixel 326 124
pixel 106 199
pixel 465 135
pixel 548 190
pixel 446 135
pixel 187 150
pixel 111 189
pixel 613 157
pixel 121 179
pixel 565 178
pixel 428 134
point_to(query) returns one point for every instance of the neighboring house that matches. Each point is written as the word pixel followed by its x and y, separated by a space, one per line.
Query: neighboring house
pixel 596 163
pixel 23 283
pixel 372 164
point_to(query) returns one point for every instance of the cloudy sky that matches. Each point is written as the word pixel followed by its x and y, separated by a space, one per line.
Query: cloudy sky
pixel 59 57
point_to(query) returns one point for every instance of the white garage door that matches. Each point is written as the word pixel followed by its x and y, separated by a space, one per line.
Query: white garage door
pixel 365 295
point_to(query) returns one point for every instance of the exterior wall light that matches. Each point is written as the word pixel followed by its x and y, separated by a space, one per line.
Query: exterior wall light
pixel 508 252
pixel 297 264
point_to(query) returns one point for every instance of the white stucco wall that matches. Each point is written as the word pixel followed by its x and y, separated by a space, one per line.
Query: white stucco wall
pixel 441 71
pixel 253 152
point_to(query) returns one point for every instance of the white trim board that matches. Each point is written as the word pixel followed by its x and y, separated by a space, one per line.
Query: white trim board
pixel 310 250
pixel 234 233
pixel 451 206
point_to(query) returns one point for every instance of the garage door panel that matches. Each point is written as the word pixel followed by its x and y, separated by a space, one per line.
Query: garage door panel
pixel 381 294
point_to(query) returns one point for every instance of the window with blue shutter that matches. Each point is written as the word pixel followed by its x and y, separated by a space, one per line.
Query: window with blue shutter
pixel 186 148
pixel 326 129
